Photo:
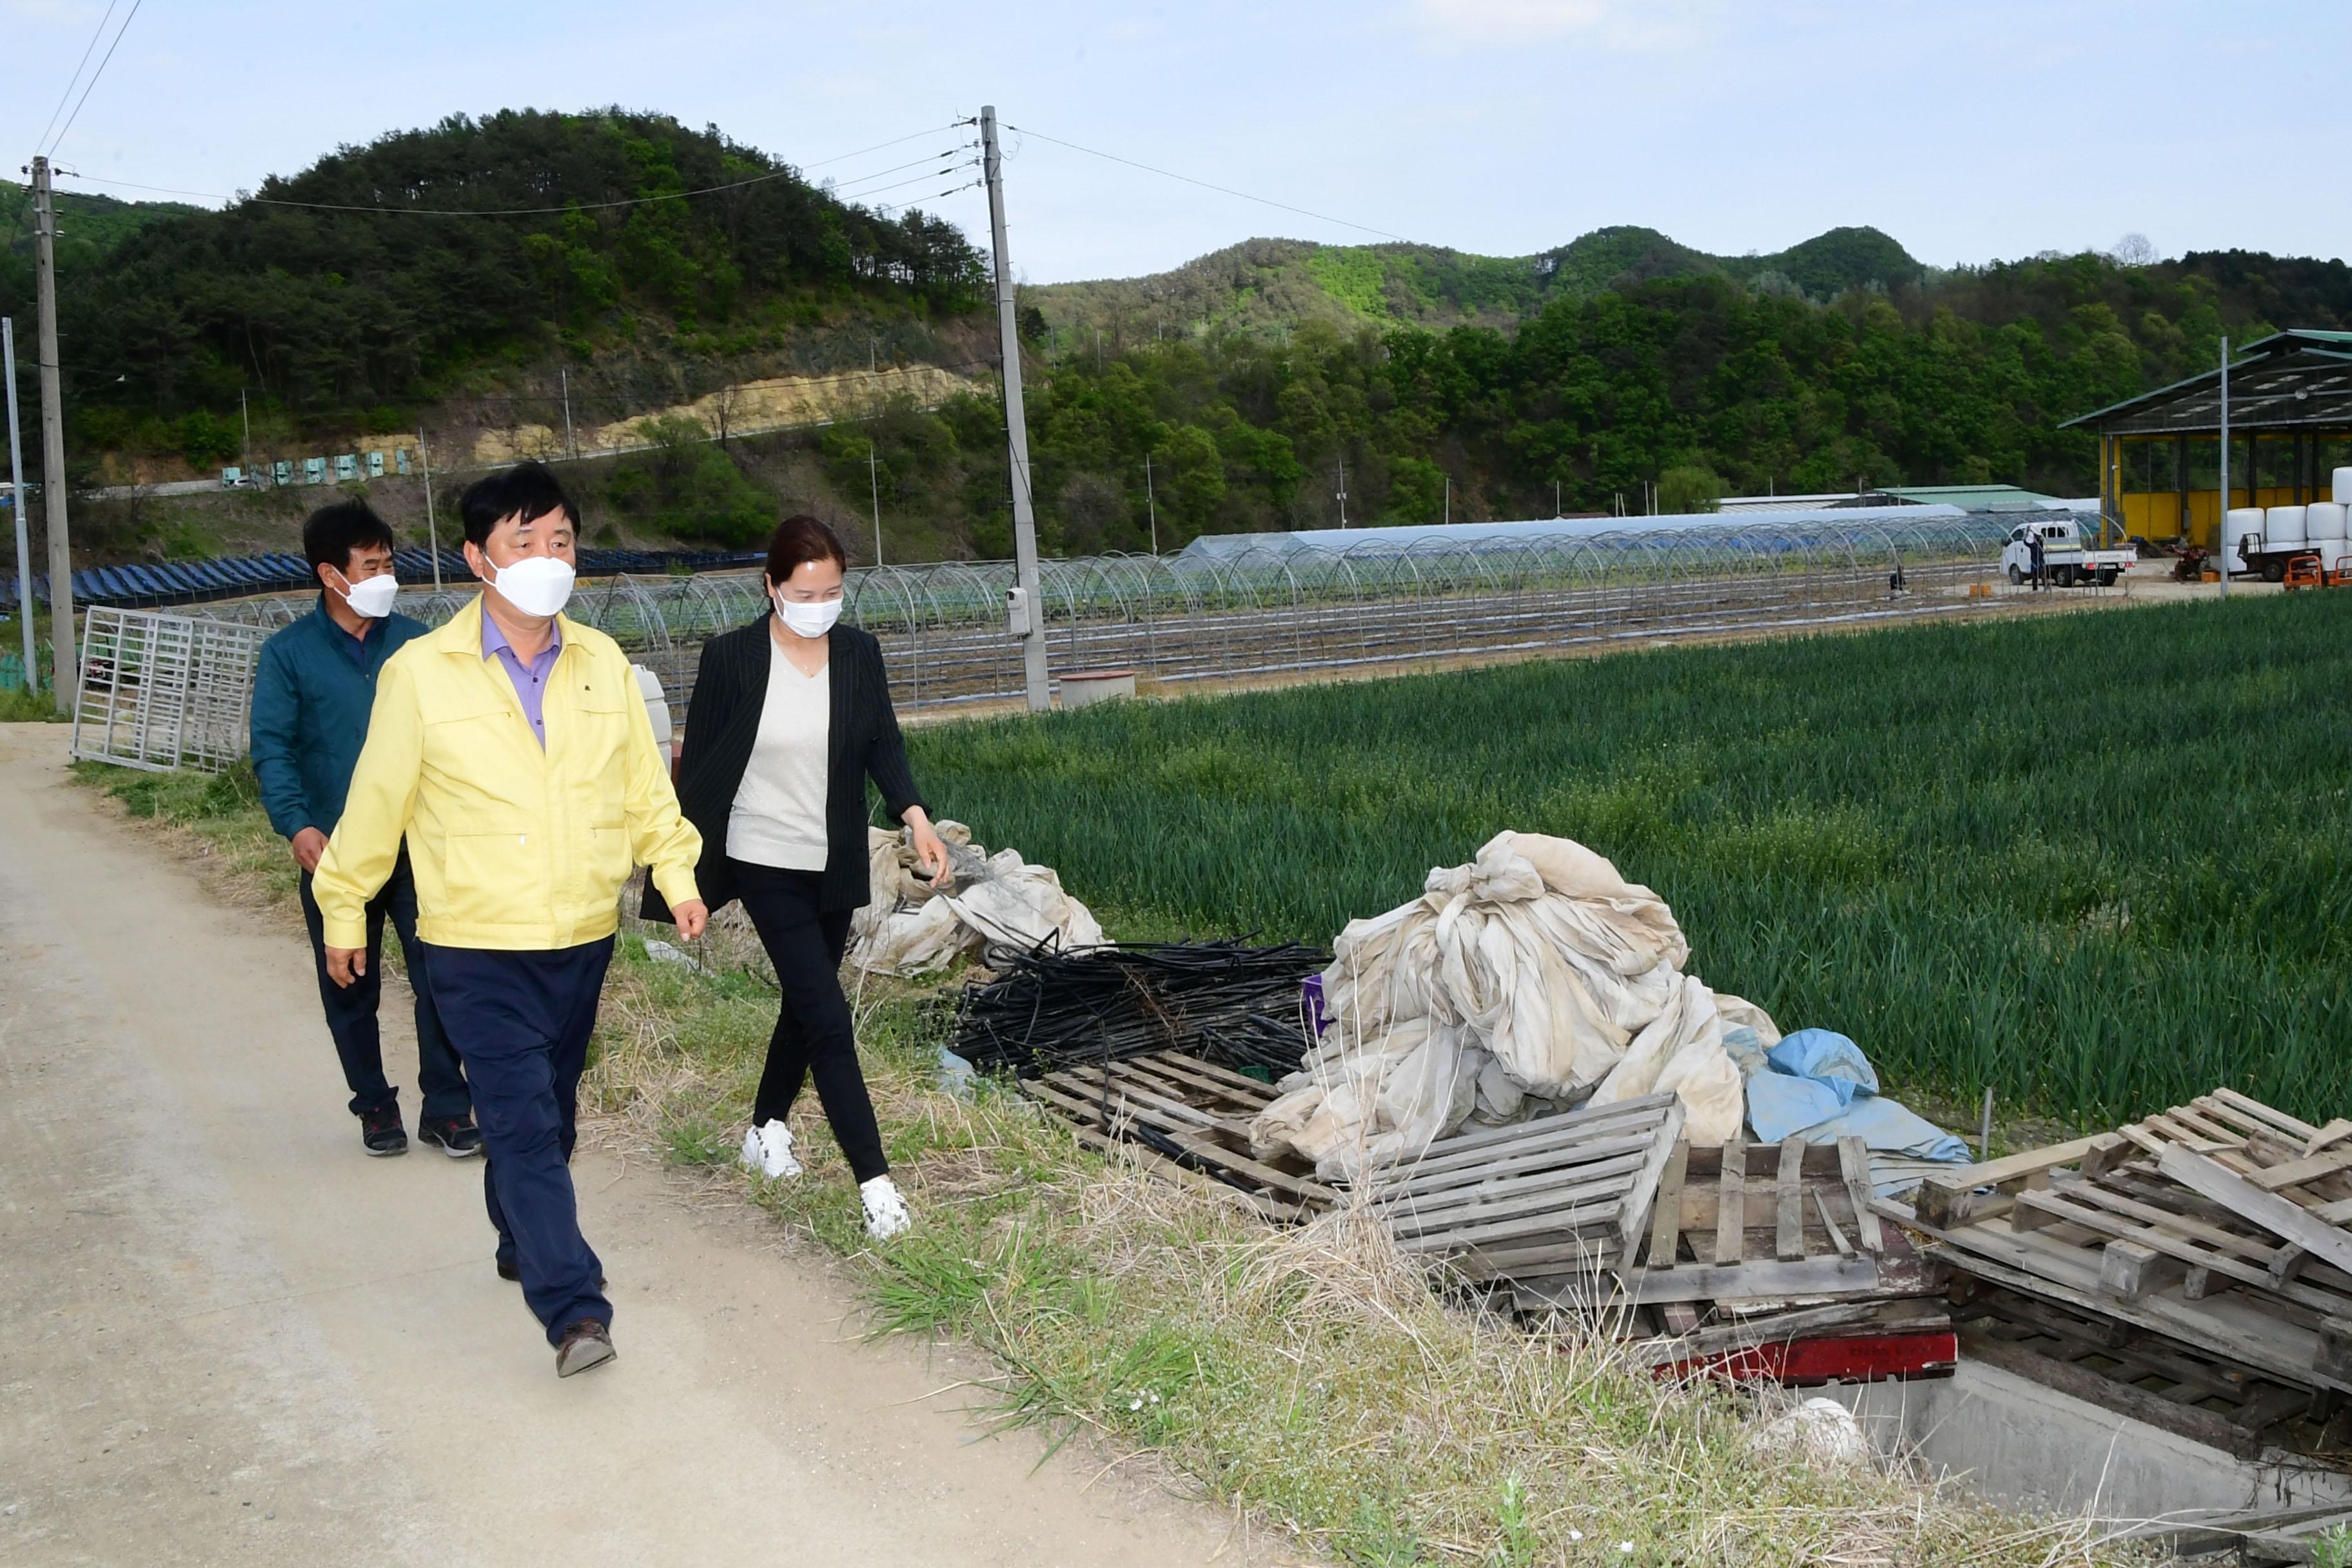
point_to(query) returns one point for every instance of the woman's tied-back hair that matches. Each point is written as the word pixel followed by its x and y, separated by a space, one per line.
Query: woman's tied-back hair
pixel 800 539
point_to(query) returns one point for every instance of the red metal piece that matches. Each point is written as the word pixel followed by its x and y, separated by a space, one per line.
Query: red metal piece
pixel 1860 1358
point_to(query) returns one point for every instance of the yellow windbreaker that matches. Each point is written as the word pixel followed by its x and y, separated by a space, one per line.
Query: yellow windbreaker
pixel 513 847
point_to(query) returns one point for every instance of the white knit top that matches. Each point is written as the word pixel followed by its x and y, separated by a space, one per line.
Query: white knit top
pixel 778 818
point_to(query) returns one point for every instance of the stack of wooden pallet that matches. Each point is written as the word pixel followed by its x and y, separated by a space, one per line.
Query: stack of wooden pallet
pixel 1185 1118
pixel 2217 1229
pixel 1605 1211
pixel 1567 1195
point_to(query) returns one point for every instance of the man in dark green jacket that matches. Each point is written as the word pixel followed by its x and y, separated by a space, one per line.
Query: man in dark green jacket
pixel 312 694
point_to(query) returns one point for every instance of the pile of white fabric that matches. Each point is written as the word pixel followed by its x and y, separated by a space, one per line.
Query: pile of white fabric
pixel 1534 978
pixel 992 901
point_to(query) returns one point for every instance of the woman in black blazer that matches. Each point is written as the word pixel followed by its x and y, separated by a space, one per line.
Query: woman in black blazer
pixel 790 717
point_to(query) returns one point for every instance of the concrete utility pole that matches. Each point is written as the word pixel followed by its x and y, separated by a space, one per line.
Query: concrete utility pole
pixel 245 446
pixel 1152 502
pixel 2222 522
pixel 1343 492
pixel 570 445
pixel 874 483
pixel 1027 616
pixel 65 664
pixel 16 505
pixel 432 529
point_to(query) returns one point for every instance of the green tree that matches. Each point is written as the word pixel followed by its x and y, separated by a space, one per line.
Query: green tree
pixel 688 487
pixel 1690 487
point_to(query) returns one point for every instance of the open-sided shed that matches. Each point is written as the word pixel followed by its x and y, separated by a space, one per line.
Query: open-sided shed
pixel 2290 426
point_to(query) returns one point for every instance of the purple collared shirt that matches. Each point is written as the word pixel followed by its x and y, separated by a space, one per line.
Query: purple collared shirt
pixel 530 679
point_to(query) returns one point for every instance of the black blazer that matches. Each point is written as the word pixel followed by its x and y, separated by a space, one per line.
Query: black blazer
pixel 723 721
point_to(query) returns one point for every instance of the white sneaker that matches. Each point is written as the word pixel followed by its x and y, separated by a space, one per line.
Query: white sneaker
pixel 768 1149
pixel 885 1211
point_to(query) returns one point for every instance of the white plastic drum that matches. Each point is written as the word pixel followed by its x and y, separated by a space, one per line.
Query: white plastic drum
pixel 2344 487
pixel 2324 522
pixel 2282 530
pixel 2244 523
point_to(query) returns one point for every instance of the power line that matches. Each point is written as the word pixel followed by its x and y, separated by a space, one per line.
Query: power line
pixel 786 171
pixel 894 168
pixel 1204 185
pixel 917 180
pixel 97 34
pixel 101 71
pixel 880 207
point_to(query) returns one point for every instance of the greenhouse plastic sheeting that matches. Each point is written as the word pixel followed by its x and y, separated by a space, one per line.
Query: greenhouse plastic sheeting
pixel 996 900
pixel 1817 1084
pixel 1534 977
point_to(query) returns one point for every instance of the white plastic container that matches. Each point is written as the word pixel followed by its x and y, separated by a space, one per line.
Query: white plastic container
pixel 2242 523
pixel 2282 528
pixel 2324 522
pixel 2344 487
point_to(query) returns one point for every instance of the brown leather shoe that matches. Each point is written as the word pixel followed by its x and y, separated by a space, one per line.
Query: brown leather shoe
pixel 585 1344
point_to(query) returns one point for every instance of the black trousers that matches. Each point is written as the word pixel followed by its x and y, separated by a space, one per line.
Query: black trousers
pixel 351 1009
pixel 813 1034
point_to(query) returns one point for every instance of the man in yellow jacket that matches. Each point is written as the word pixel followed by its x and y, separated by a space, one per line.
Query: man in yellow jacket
pixel 512 750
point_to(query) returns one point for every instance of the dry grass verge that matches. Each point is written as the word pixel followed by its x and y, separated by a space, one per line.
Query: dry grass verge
pixel 1310 1377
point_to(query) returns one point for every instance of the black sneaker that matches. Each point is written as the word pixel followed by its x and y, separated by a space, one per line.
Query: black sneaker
pixel 381 1132
pixel 456 1136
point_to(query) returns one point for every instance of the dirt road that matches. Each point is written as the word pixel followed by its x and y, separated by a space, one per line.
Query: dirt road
pixel 227 1335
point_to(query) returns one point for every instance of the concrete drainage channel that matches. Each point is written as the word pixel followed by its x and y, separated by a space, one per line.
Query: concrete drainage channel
pixel 2017 1442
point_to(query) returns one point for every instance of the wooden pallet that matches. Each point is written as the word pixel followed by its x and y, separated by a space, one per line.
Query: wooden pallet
pixel 2165 1382
pixel 2217 1223
pixel 1187 1119
pixel 1744 1225
pixel 1566 1192
pixel 2312 1167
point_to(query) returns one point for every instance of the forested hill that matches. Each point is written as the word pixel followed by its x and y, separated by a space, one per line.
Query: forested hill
pixel 1272 283
pixel 348 293
pixel 657 270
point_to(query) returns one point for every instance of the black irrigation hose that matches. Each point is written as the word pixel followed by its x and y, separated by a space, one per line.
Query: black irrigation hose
pixel 1219 999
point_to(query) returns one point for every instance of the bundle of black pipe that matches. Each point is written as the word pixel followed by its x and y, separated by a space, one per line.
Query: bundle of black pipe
pixel 1238 1006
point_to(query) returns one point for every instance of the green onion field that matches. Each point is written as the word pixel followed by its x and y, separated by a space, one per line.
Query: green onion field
pixel 2096 861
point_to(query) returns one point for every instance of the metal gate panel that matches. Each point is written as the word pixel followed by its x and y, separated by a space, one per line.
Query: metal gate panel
pixel 162 691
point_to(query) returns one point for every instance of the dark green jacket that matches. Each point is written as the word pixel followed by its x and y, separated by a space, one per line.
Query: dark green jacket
pixel 310 704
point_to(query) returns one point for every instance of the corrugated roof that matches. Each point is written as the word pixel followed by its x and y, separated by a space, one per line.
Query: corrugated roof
pixel 1439 536
pixel 2296 380
pixel 1978 498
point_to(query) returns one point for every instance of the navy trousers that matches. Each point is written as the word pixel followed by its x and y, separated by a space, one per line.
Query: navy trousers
pixel 521 1022
pixel 351 1009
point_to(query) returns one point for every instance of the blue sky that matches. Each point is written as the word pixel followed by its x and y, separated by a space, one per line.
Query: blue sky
pixel 1968 131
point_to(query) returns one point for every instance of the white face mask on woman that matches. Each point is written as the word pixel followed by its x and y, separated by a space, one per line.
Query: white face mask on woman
pixel 536 584
pixel 371 597
pixel 807 620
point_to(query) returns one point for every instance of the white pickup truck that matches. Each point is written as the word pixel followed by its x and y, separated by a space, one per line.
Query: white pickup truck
pixel 2065 561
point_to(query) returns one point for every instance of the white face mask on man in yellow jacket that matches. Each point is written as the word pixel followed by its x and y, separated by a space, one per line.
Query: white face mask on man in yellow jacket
pixel 515 847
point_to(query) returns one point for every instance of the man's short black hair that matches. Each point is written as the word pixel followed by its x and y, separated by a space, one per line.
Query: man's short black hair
pixel 529 489
pixel 332 533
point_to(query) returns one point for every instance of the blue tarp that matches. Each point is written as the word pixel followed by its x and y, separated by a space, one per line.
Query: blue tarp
pixel 1817 1084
